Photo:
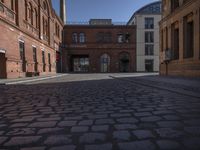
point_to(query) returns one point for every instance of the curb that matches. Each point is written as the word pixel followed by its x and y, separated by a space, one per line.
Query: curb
pixel 34 80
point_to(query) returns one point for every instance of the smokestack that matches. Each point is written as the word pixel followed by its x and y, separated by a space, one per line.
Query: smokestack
pixel 63 11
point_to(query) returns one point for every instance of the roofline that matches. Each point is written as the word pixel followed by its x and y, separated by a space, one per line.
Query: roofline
pixel 159 1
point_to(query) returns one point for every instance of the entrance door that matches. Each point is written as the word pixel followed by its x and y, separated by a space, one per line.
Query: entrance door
pixel 2 65
pixel 81 64
pixel 149 65
pixel 105 63
pixel 124 62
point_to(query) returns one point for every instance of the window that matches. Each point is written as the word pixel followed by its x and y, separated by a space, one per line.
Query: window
pixel 45 29
pixel 107 37
pixel 120 38
pixel 149 23
pixel 75 38
pixel 34 54
pixel 175 41
pixel 22 55
pixel 43 61
pixel 105 63
pixel 188 36
pixel 12 4
pixel 149 49
pixel 149 37
pixel 174 4
pixel 21 50
pixel 82 38
pixel 49 61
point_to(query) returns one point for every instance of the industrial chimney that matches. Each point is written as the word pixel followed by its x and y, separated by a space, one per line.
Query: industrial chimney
pixel 63 11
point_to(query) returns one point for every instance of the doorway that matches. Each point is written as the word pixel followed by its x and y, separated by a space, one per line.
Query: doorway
pixel 80 64
pixel 124 62
pixel 2 65
pixel 149 65
pixel 105 63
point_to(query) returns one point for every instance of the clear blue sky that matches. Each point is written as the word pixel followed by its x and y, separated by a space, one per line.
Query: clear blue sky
pixel 117 10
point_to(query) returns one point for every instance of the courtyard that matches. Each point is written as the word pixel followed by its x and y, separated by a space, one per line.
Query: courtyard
pixel 101 112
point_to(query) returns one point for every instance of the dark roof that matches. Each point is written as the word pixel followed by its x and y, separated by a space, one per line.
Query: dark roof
pixel 152 8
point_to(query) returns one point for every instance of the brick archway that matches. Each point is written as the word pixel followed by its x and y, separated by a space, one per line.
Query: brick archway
pixel 2 65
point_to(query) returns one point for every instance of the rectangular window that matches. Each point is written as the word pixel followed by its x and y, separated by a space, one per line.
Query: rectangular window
pixel 188 37
pixel 21 50
pixel 43 61
pixel 174 4
pixel 22 55
pixel 149 37
pixel 149 23
pixel 120 38
pixel 49 58
pixel 175 41
pixel 149 49
pixel 34 54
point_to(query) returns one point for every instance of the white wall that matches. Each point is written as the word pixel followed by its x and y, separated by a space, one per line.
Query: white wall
pixel 140 43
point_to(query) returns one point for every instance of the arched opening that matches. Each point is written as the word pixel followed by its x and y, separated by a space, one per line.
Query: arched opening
pixel 2 64
pixel 105 63
pixel 124 62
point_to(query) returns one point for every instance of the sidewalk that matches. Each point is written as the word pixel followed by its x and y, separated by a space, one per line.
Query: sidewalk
pixel 29 79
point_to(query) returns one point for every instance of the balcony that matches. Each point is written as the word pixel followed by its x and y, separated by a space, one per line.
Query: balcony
pixel 7 13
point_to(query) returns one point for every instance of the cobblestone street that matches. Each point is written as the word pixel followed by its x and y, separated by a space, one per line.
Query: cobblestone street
pixel 101 112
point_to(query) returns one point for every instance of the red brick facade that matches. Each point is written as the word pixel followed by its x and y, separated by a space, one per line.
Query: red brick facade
pixel 96 48
pixel 31 33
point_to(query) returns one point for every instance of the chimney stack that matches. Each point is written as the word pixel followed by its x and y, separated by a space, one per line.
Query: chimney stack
pixel 63 11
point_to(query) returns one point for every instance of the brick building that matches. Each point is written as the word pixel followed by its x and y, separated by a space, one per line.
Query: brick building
pixel 180 38
pixel 99 46
pixel 30 37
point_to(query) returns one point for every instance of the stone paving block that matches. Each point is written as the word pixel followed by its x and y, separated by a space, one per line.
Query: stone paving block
pixel 168 144
pixel 92 138
pixel 137 145
pixel 2 139
pixel 104 121
pixel 171 117
pixel 121 135
pixel 17 125
pixel 169 124
pixel 127 120
pixel 169 133
pixel 67 123
pixel 47 124
pixel 193 130
pixel 86 122
pixel 58 140
pixel 125 126
pixel 49 130
pixel 65 147
pixel 100 128
pixel 142 114
pixel 191 143
pixel 142 134
pixel 118 115
pixel 25 140
pixel 33 148
pixel 22 131
pixel 79 129
pixel 151 119
pixel 99 147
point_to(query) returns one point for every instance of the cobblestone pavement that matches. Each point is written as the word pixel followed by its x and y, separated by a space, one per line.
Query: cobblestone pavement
pixel 106 114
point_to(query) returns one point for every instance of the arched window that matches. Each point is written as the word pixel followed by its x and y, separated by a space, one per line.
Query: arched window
pixel 35 18
pixel 75 38
pixel 105 63
pixel 29 13
pixel 82 37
